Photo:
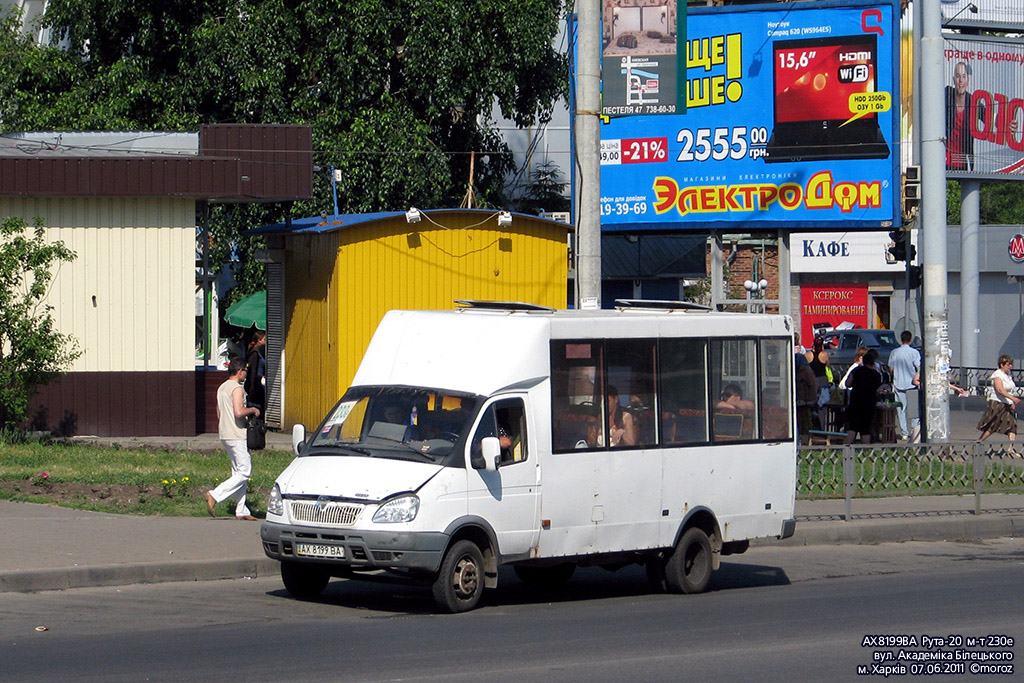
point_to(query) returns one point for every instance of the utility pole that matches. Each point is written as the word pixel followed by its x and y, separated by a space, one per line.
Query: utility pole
pixel 933 225
pixel 588 142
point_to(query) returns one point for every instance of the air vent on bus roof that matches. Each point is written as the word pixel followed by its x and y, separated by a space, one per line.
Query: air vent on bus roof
pixel 501 305
pixel 660 305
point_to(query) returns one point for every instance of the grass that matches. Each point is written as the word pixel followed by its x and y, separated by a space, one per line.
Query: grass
pixel 128 480
pixel 888 470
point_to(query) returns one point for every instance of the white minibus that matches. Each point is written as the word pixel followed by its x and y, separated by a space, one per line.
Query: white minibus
pixel 503 433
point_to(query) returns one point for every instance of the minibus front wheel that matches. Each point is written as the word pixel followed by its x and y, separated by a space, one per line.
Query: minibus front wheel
pixel 689 568
pixel 460 580
pixel 304 581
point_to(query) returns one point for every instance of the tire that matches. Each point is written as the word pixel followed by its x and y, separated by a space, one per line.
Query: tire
pixel 688 570
pixel 554 575
pixel 304 581
pixel 460 581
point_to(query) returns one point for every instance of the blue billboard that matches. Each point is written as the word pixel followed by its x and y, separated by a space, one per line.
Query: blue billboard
pixel 792 121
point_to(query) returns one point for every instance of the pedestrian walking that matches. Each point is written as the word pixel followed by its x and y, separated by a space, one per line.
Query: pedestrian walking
pixel 231 415
pixel 1001 412
pixel 905 363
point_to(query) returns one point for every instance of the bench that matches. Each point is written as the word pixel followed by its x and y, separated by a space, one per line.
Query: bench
pixel 825 437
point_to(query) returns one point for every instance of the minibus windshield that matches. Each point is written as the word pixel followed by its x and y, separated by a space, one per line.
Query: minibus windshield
pixel 406 423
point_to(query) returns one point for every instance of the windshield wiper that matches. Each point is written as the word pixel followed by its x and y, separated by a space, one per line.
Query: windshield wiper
pixel 341 447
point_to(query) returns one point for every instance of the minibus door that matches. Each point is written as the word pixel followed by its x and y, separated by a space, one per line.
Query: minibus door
pixel 508 498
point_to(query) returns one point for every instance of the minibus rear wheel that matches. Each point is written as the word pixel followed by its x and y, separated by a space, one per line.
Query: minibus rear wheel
pixel 460 580
pixel 304 581
pixel 688 570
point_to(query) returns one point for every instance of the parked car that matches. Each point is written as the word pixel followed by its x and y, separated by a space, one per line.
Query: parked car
pixel 842 345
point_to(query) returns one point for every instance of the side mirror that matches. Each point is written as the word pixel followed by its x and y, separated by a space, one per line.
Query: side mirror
pixel 491 448
pixel 298 438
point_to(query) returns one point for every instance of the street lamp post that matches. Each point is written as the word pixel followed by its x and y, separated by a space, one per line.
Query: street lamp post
pixel 755 290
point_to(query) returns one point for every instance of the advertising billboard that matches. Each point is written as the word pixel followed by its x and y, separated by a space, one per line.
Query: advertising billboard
pixel 791 121
pixel 984 108
pixel 832 305
pixel 639 57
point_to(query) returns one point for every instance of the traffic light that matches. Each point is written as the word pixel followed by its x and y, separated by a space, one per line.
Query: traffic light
pixel 901 249
pixel 898 248
pixel 911 189
pixel 913 277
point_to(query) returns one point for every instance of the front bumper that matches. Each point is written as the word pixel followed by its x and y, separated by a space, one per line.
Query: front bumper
pixel 363 549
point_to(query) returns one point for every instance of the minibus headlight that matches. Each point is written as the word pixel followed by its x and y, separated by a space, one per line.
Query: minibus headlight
pixel 402 509
pixel 275 506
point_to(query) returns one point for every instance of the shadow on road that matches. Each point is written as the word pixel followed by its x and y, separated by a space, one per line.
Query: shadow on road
pixel 385 594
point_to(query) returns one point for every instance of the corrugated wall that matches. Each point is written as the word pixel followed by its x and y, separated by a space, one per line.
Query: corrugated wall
pixel 128 297
pixel 387 265
pixel 310 371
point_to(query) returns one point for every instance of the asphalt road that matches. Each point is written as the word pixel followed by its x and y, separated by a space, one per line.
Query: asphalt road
pixel 794 614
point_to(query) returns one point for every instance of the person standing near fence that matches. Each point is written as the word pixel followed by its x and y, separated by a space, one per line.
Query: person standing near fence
pixel 818 359
pixel 860 412
pixel 905 363
pixel 858 358
pixel 1001 411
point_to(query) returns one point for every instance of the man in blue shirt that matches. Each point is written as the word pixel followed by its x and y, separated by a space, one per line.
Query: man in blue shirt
pixel 905 363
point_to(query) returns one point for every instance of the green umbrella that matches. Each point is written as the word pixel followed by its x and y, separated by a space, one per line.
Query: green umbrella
pixel 252 310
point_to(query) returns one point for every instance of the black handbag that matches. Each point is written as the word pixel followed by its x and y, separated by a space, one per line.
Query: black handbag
pixel 256 434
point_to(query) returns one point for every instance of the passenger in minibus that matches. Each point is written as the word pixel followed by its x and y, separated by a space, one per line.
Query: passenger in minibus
pixel 621 427
pixel 733 401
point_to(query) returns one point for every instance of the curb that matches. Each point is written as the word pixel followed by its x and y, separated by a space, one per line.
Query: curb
pixel 900 530
pixel 862 531
pixel 62 578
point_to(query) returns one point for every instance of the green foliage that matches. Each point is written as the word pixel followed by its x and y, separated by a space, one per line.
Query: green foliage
pixel 545 191
pixel 32 352
pixel 399 92
pixel 998 204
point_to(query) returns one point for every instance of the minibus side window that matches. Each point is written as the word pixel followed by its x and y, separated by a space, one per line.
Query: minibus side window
pixel 510 417
pixel 776 389
pixel 576 395
pixel 682 387
pixel 507 421
pixel 734 389
pixel 629 401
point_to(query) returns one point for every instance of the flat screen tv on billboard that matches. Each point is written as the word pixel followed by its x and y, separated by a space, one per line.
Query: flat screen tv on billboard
pixel 792 121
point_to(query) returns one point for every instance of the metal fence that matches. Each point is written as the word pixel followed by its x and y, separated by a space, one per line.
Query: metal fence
pixel 975 380
pixel 915 469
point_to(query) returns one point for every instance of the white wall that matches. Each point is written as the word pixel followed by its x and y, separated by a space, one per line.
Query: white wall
pixel 129 296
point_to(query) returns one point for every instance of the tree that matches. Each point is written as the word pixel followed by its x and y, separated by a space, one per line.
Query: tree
pixel 545 191
pixel 998 203
pixel 32 352
pixel 399 92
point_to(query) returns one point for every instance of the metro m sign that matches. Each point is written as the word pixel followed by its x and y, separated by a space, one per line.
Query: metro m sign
pixel 1016 248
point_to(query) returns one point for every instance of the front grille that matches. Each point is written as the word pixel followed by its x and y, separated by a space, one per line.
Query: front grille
pixel 332 514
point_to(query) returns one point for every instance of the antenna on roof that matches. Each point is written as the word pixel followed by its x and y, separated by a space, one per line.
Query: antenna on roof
pixel 661 305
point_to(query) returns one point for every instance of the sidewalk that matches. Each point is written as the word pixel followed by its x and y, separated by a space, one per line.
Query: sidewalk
pixel 48 547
